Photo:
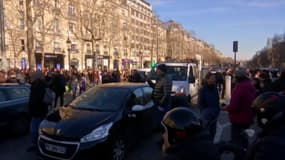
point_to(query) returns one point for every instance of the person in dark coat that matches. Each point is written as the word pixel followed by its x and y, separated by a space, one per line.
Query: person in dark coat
pixel 209 103
pixel 136 77
pixel 161 93
pixel 270 143
pixel 220 81
pixel 279 84
pixel 185 138
pixel 256 83
pixel 59 83
pixel 37 108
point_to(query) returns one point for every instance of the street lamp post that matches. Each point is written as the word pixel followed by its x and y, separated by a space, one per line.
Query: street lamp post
pixel 141 59
pixel 140 56
pixel 68 42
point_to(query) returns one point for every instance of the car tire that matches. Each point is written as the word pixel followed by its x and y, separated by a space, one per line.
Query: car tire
pixel 119 148
pixel 21 126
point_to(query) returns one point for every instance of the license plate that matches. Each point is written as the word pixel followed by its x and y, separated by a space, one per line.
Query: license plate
pixel 55 148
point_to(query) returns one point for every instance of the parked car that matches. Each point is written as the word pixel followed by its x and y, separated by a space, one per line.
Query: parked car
pixel 102 123
pixel 14 117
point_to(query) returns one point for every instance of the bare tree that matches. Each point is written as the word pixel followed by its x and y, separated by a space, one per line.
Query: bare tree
pixel 93 17
pixel 41 13
pixel 15 28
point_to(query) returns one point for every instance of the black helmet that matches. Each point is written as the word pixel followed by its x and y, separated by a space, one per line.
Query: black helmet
pixel 269 107
pixel 181 123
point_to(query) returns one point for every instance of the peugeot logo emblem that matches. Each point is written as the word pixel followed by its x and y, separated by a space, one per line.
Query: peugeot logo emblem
pixel 58 132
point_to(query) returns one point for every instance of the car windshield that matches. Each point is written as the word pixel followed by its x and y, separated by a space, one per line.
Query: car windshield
pixel 101 99
pixel 177 73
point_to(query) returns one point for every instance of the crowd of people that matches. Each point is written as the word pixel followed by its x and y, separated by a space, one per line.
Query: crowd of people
pixel 257 97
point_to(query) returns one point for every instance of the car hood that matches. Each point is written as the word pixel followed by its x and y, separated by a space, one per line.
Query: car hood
pixel 74 123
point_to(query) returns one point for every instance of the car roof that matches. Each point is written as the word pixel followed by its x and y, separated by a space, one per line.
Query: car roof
pixel 144 69
pixel 14 85
pixel 127 85
pixel 178 64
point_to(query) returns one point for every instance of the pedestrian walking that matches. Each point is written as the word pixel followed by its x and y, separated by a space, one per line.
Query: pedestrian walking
pixel 239 109
pixel 82 84
pixel 37 108
pixel 59 83
pixel 209 103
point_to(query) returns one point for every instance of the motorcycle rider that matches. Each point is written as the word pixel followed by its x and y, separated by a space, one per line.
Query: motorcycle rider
pixel 185 138
pixel 270 112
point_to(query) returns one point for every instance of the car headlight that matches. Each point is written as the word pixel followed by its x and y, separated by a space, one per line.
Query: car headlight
pixel 98 133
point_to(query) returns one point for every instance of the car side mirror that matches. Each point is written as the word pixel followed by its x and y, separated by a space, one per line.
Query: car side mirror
pixel 191 79
pixel 137 108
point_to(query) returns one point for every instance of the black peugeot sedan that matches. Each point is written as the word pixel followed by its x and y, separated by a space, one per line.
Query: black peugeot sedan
pixel 14 115
pixel 103 123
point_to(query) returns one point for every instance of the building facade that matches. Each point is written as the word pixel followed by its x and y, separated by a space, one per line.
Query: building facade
pixel 97 34
pixel 141 32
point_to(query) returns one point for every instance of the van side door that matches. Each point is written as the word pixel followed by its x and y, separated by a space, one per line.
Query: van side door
pixel 193 78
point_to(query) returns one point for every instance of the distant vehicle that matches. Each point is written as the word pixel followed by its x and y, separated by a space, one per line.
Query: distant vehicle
pixel 103 122
pixel 144 71
pixel 141 74
pixel 14 116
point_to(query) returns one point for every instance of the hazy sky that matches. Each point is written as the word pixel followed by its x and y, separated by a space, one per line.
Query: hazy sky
pixel 220 22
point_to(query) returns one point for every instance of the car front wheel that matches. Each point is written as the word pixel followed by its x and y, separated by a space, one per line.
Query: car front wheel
pixel 20 126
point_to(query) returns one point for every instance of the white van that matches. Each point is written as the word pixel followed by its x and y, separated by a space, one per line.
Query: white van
pixel 185 79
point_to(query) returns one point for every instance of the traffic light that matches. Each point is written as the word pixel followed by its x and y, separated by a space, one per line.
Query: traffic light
pixel 153 64
pixel 235 46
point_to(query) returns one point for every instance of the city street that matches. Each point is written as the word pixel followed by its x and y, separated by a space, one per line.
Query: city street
pixel 15 148
pixel 148 56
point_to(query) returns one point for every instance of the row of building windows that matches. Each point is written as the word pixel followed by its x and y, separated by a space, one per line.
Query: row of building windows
pixel 140 7
pixel 140 24
pixel 141 39
pixel 140 15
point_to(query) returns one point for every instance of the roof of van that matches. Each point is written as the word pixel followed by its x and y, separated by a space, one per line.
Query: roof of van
pixel 178 64
pixel 144 69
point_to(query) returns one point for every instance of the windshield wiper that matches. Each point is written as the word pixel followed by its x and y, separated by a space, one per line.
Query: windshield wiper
pixel 83 108
pixel 90 109
pixel 70 105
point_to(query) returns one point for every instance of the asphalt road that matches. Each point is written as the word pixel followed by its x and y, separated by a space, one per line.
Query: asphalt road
pixel 14 148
